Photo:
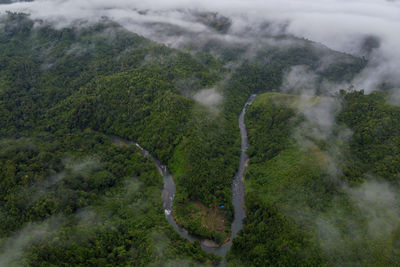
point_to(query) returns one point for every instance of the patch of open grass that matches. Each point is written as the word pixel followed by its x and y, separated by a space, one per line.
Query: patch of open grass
pixel 209 223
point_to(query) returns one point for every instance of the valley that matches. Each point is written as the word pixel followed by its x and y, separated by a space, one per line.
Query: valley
pixel 186 137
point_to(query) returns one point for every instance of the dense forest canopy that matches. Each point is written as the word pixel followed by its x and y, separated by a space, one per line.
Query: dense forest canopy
pixel 310 198
pixel 72 197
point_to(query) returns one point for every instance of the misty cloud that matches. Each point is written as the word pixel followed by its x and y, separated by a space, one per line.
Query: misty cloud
pixel 375 218
pixel 319 127
pixel 380 205
pixel 13 248
pixel 368 28
pixel 300 80
pixel 74 168
pixel 321 115
pixel 209 97
pixel 160 243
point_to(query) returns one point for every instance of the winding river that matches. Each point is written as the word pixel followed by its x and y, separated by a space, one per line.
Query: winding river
pixel 238 191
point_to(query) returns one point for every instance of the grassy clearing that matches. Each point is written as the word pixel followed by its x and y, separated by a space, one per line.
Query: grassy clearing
pixel 208 223
pixel 210 218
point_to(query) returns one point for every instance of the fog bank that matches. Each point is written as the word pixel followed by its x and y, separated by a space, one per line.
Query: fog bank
pixel 369 28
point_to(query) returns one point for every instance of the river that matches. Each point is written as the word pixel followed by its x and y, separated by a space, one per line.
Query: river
pixel 238 192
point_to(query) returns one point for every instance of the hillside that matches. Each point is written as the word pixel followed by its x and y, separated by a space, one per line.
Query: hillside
pixel 309 198
pixel 82 200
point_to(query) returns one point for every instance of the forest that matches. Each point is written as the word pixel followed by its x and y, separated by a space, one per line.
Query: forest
pixel 308 198
pixel 71 197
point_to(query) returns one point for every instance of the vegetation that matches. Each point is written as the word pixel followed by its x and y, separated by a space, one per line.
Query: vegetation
pixel 374 145
pixel 101 204
pixel 50 91
pixel 83 201
pixel 298 209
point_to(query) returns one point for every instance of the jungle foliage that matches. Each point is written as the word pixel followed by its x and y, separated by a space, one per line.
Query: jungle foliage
pixel 307 205
pixel 63 92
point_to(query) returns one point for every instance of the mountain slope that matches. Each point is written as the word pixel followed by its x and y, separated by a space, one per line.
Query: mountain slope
pixel 313 199
pixel 63 92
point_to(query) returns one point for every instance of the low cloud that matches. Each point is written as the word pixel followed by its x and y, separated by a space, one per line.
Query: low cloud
pixel 374 220
pixel 208 97
pixel 319 127
pixel 320 114
pixel 13 248
pixel 380 205
pixel 369 28
pixel 300 80
pixel 72 167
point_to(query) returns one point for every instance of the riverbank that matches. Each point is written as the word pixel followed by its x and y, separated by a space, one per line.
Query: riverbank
pixel 169 190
